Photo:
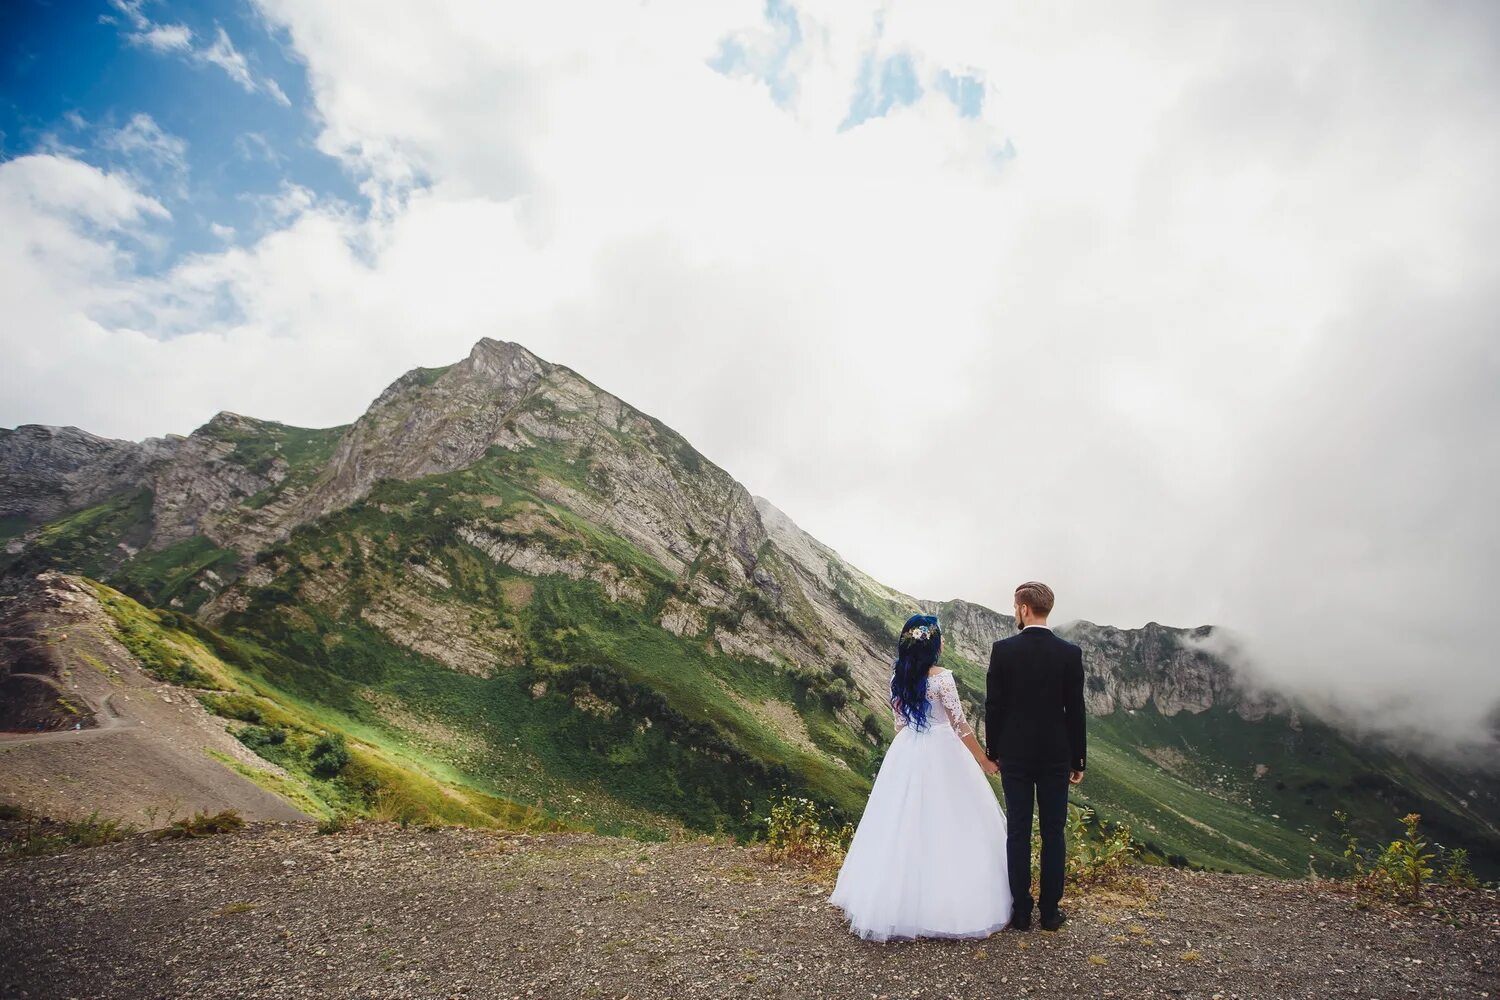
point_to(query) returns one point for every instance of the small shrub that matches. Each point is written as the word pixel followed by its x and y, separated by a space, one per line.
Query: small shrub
pixel 1402 869
pixel 329 755
pixel 1457 871
pixel 1095 858
pixel 337 823
pixel 1404 862
pixel 259 737
pixel 797 831
pixel 203 825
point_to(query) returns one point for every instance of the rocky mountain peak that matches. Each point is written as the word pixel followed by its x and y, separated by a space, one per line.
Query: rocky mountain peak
pixel 227 421
pixel 503 360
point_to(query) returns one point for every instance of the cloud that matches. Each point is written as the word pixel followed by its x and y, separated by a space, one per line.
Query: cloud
pixel 141 30
pixel 224 55
pixel 1185 316
pixel 179 39
pixel 165 38
pixel 142 138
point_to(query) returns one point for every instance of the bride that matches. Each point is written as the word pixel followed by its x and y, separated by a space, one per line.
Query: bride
pixel 928 856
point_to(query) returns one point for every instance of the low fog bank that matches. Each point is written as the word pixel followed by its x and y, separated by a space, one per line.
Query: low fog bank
pixel 1413 712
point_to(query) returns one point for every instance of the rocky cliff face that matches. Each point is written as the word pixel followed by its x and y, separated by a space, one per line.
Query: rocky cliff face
pixel 46 472
pixel 196 485
pixel 1167 668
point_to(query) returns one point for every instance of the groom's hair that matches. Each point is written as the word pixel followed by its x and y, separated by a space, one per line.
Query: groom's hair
pixel 1036 596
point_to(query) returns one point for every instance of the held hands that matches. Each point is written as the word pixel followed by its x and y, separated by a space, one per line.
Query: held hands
pixel 988 766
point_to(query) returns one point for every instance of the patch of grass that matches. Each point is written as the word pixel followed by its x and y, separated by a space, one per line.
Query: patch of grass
pixel 234 705
pixel 96 663
pixel 337 823
pixel 38 836
pixel 291 789
pixel 157 640
pixel 202 824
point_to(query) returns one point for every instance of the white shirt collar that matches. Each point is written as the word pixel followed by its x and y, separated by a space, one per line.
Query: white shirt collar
pixel 1047 627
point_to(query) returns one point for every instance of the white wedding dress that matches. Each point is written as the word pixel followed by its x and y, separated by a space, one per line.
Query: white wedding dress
pixel 928 856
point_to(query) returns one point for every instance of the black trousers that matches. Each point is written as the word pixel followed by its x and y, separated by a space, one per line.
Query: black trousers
pixel 1025 782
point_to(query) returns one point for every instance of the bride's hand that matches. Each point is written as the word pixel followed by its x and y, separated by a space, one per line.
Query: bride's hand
pixel 989 767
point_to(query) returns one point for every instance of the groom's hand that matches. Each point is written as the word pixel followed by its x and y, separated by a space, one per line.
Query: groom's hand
pixel 1074 777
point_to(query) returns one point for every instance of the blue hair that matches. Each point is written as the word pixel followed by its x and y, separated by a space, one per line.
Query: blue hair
pixel 914 657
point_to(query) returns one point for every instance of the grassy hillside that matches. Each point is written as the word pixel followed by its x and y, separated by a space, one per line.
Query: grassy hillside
pixel 586 708
pixel 1218 790
pixel 590 621
pixel 334 764
pixel 553 689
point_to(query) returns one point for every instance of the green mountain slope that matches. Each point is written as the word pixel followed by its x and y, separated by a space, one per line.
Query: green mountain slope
pixel 512 579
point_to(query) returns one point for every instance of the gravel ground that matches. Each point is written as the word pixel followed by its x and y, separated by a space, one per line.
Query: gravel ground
pixel 279 911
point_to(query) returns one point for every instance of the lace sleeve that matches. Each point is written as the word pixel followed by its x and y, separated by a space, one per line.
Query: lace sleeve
pixel 948 694
pixel 899 718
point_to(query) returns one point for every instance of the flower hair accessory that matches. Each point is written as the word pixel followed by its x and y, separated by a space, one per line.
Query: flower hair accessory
pixel 921 633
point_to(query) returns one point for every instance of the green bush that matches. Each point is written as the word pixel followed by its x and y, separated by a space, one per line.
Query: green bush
pixel 329 756
pixel 1098 852
pixel 1457 871
pixel 337 823
pixel 259 737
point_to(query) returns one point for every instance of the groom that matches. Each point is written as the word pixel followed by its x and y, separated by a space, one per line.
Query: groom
pixel 1034 729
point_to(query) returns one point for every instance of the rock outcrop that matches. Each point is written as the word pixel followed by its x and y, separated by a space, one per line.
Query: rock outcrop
pixel 46 472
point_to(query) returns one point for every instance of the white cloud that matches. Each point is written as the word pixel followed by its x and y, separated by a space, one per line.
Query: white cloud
pixel 143 138
pixel 1208 348
pixel 165 38
pixel 224 55
pixel 179 39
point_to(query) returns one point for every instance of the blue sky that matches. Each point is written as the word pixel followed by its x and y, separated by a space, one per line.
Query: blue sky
pixel 77 76
pixel 208 107
pixel 886 80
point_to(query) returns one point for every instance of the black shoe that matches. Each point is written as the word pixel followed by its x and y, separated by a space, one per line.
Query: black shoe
pixel 1019 923
pixel 1053 921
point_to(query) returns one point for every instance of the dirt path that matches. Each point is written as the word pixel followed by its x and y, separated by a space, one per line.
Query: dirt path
pixel 109 721
pixel 152 754
pixel 278 911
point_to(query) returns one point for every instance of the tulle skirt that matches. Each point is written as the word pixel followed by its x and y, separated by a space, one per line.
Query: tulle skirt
pixel 928 856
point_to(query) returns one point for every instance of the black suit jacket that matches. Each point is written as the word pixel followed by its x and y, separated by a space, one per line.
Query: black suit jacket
pixel 1033 700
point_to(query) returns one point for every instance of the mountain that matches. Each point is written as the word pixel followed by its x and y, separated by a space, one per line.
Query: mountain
pixel 517 586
